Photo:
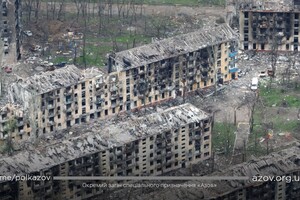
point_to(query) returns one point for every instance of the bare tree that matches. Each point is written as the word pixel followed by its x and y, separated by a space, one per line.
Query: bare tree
pixel 101 7
pixel 36 9
pixel 28 7
pixel 78 8
pixel 120 5
pixel 84 13
pixel 276 39
pixel 61 10
pixel 213 55
pixel 8 129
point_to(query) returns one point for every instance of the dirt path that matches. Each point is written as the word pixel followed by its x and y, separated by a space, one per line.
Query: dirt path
pixel 164 10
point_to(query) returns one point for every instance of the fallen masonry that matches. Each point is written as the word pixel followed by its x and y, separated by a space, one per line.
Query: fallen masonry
pixel 128 145
pixel 271 177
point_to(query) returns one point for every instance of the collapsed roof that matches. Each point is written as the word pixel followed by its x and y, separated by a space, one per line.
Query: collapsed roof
pixel 97 136
pixel 271 5
pixel 277 163
pixel 173 46
pixel 51 80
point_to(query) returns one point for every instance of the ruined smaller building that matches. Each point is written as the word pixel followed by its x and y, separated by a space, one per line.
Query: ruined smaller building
pixel 56 99
pixel 284 164
pixel 11 119
pixel 125 146
pixel 269 25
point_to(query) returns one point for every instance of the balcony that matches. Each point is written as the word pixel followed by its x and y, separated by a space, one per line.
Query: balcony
pixel 68 92
pixel 233 70
pixel 99 100
pixel 196 137
pixel 129 157
pixel 51 123
pixel 169 153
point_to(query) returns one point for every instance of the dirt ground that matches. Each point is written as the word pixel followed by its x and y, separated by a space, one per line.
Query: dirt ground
pixel 165 10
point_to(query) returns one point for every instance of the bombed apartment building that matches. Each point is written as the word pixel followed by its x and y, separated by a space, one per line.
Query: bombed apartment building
pixel 284 164
pixel 269 25
pixel 176 66
pixel 11 27
pixel 138 77
pixel 56 100
pixel 123 146
pixel 12 122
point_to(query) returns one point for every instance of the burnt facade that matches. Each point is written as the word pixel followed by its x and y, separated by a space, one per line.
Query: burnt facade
pixel 133 146
pixel 269 26
pixel 138 77
pixel 283 166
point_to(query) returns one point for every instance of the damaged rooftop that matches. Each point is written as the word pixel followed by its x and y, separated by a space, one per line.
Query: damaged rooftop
pixel 274 5
pixel 276 163
pixel 96 136
pixel 173 46
pixel 51 80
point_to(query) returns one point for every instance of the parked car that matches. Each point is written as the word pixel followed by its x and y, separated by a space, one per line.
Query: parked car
pixel 262 74
pixel 270 72
pixel 254 84
pixel 28 33
pixel 6 48
pixel 7 69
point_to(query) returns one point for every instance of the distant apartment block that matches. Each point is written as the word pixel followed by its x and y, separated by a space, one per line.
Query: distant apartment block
pixel 124 146
pixel 10 24
pixel 269 25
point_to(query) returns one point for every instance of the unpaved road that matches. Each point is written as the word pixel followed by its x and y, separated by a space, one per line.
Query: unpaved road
pixel 164 10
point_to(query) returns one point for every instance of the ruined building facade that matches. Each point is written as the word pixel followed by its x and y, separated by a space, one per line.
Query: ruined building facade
pixel 130 146
pixel 175 66
pixel 270 26
pixel 284 164
pixel 137 77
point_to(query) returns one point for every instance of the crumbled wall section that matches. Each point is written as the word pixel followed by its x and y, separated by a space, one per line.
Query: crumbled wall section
pixel 282 163
pixel 270 25
pixel 172 47
pixel 62 98
pixel 150 145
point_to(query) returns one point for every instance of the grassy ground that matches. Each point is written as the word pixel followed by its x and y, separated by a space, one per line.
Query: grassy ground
pixel 276 96
pixel 223 137
pixel 99 45
pixel 265 121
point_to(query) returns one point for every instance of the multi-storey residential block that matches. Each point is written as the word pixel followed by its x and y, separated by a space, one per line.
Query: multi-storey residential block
pixel 269 25
pixel 13 123
pixel 175 66
pixel 11 28
pixel 56 99
pixel 150 145
pixel 137 77
pixel 275 176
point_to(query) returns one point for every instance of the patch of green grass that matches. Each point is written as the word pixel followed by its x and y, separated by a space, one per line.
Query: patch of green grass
pixel 282 125
pixel 122 38
pixel 223 137
pixel 95 55
pixel 275 96
pixel 60 59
